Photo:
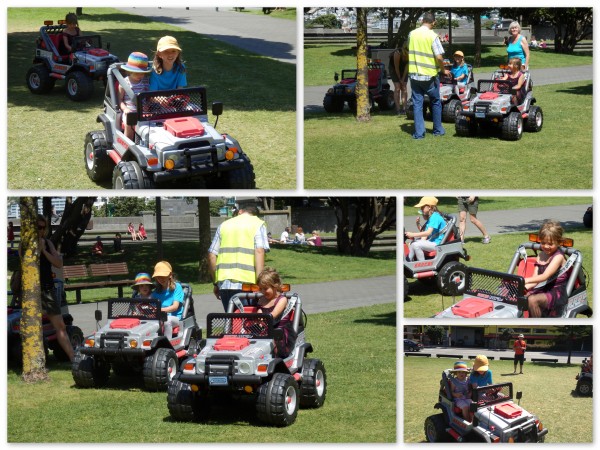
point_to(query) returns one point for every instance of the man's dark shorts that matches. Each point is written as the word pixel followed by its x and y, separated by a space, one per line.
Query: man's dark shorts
pixel 50 303
pixel 520 358
pixel 464 205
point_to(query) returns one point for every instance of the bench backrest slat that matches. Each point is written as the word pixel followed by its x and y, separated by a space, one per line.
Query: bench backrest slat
pixel 108 269
pixel 75 271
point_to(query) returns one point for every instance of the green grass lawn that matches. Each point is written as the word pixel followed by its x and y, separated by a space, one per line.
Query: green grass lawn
pixel 425 301
pixel 449 204
pixel 547 393
pixel 357 346
pixel 322 61
pixel 46 132
pixel 297 264
pixel 285 13
pixel 384 155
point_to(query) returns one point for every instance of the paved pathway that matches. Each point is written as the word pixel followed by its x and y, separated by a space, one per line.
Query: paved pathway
pixel 313 95
pixel 509 221
pixel 268 36
pixel 316 298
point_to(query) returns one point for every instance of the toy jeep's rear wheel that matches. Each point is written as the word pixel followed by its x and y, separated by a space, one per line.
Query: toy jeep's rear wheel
pixel 75 338
pixel 79 86
pixel 333 104
pixel 451 110
pixel 584 387
pixel 98 164
pixel 535 119
pixel 452 279
pixel 435 429
pixel 277 400
pixel 386 101
pixel 89 372
pixel 512 127
pixel 159 369
pixel 465 126
pixel 129 175
pixel 38 79
pixel 313 387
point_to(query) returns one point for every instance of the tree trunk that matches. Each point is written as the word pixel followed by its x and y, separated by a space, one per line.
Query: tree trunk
pixel 391 12
pixel 362 76
pixel 75 219
pixel 477 31
pixel 205 238
pixel 34 358
pixel 159 244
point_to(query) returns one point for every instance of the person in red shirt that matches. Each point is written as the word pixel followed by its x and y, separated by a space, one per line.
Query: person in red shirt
pixel 519 347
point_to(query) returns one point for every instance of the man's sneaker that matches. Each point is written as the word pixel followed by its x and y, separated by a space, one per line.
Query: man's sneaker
pixel 486 240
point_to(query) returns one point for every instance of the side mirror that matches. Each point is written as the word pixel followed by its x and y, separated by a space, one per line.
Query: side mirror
pixel 217 108
pixel 519 395
pixel 98 315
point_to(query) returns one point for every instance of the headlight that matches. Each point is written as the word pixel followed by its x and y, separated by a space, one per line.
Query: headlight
pixel 200 366
pixel 494 108
pixel 244 367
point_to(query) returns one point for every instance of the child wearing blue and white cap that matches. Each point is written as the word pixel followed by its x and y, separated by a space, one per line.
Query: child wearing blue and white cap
pixel 137 66
pixel 461 390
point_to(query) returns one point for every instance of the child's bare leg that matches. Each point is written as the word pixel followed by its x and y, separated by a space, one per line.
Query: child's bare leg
pixel 535 304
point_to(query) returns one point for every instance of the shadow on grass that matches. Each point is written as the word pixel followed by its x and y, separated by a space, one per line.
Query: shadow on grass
pixel 226 410
pixel 534 225
pixel 578 90
pixel 387 319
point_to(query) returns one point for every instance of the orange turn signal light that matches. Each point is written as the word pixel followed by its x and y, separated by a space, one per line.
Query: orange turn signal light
pixel 564 242
pixel 169 164
pixel 48 22
pixel 152 161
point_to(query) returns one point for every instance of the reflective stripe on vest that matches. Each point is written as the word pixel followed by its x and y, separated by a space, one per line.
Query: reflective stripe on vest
pixel 235 260
pixel 421 59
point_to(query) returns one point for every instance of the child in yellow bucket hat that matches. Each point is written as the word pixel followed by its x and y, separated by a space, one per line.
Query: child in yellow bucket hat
pixel 168 68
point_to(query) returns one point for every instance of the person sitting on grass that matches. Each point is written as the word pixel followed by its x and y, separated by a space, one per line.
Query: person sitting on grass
pixel 98 248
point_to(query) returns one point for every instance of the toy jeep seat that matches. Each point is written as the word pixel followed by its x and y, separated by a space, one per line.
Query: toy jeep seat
pixel 374 77
pixel 188 305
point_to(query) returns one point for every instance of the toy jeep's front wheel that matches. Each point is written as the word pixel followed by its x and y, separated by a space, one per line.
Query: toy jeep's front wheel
pixel 89 372
pixel 159 369
pixel 79 86
pixel 184 405
pixel 435 429
pixel 313 388
pixel 386 102
pixel 465 126
pixel 242 178
pixel 277 400
pixel 452 278
pixel 129 175
pixel 38 79
pixel 333 104
pixel 512 127
pixel 97 162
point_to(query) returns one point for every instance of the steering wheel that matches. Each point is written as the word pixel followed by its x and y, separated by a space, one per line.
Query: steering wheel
pixel 178 101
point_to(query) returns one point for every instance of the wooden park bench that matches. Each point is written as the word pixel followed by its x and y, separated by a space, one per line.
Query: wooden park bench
pixel 106 271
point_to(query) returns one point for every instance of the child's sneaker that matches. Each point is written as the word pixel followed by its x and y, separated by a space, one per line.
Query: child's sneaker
pixel 486 240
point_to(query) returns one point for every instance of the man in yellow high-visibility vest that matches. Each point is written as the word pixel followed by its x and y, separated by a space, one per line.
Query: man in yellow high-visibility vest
pixel 425 56
pixel 237 253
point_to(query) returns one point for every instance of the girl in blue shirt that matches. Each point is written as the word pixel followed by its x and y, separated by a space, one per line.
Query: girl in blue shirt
pixel 168 69
pixel 460 71
pixel 170 294
pixel 430 235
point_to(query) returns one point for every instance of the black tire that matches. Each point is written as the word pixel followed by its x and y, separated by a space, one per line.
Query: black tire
pixel 584 387
pixel 184 405
pixel 512 126
pixel 313 388
pixel 75 337
pixel 159 369
pixel 452 278
pixel 535 119
pixel 79 86
pixel 352 105
pixel 333 104
pixel 435 429
pixel 88 372
pixel 98 164
pixel 464 126
pixel 386 101
pixel 242 178
pixel 129 175
pixel 405 287
pixel 410 112
pixel 451 110
pixel 278 400
pixel 38 79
